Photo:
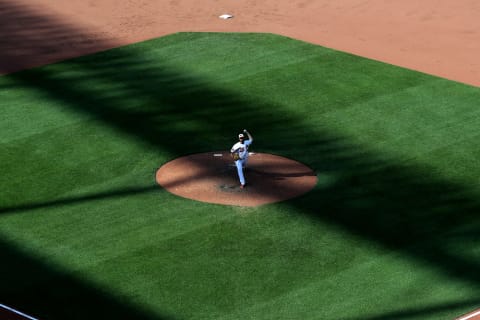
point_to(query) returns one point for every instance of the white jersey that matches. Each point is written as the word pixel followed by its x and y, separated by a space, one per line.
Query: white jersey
pixel 241 149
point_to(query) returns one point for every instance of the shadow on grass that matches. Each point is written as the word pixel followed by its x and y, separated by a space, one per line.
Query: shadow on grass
pixel 42 291
pixel 79 199
pixel 402 207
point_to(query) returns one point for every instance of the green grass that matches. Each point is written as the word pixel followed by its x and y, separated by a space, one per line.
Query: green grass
pixel 389 232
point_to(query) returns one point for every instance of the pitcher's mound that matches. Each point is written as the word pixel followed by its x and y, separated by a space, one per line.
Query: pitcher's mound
pixel 212 177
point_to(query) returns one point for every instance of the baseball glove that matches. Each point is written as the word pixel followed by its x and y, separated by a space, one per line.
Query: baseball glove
pixel 235 156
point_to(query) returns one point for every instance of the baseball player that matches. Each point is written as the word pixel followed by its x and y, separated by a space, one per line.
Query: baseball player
pixel 239 154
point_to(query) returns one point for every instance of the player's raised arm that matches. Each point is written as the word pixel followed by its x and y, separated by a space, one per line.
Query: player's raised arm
pixel 250 137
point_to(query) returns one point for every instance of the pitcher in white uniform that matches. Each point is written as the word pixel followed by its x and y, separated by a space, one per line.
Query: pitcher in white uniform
pixel 239 154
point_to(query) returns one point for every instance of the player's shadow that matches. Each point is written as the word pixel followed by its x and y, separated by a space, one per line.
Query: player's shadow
pixel 278 175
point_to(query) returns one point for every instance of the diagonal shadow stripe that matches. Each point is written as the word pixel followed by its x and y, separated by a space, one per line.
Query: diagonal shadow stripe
pixel 50 293
pixel 127 191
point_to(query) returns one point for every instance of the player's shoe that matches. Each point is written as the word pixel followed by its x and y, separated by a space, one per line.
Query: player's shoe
pixel 242 186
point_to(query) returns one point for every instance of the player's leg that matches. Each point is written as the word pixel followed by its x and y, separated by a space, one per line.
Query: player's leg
pixel 245 162
pixel 239 165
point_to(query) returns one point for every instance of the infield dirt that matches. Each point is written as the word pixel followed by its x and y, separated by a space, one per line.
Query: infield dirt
pixel 441 38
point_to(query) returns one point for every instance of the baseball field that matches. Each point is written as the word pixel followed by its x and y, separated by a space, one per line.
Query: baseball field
pixel 390 231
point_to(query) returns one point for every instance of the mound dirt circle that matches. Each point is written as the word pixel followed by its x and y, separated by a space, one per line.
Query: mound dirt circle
pixel 212 177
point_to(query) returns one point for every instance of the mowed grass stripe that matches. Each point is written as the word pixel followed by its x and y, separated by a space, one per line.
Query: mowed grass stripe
pixel 413 127
pixel 237 254
pixel 343 295
pixel 227 63
pixel 65 159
